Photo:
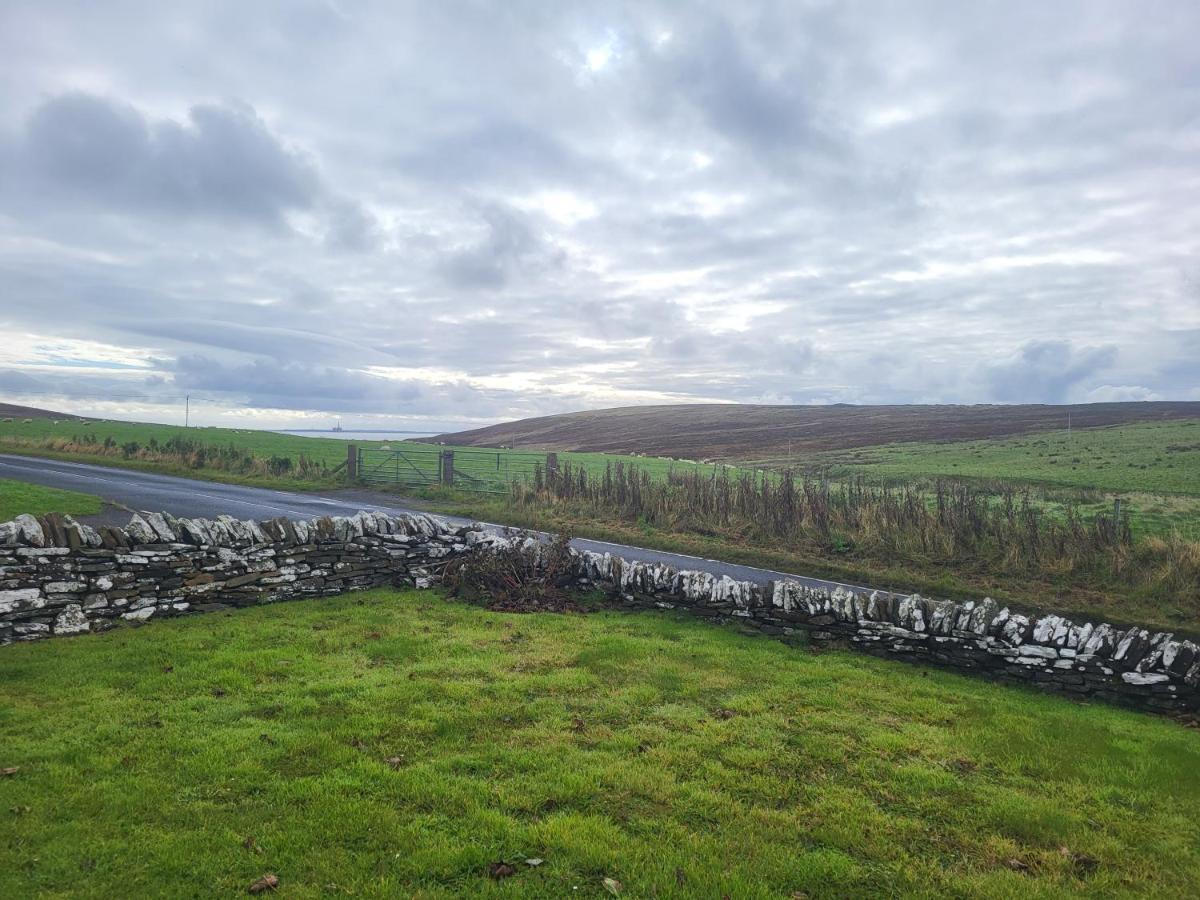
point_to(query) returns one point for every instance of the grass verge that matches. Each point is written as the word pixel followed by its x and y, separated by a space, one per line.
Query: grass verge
pixel 17 497
pixel 394 743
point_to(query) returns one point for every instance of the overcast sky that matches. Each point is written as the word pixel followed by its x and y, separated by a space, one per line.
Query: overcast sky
pixel 430 214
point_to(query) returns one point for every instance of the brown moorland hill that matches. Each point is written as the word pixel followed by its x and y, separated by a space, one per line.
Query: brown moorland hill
pixel 11 410
pixel 740 431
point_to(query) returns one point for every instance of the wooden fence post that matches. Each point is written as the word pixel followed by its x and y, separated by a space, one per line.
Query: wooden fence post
pixel 447 467
pixel 551 467
pixel 352 462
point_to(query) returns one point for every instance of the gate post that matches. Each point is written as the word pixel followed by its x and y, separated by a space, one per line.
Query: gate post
pixel 352 461
pixel 551 467
pixel 447 467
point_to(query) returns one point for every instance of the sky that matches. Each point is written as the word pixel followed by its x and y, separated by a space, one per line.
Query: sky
pixel 441 215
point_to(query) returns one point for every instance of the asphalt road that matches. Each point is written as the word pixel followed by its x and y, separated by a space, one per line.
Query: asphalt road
pixel 209 499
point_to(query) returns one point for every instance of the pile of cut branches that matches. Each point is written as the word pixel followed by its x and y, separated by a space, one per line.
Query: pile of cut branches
pixel 516 575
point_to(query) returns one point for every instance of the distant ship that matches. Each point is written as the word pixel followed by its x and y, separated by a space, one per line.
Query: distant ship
pixel 338 426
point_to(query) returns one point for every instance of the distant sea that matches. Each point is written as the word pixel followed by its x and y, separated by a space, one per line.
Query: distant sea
pixel 362 435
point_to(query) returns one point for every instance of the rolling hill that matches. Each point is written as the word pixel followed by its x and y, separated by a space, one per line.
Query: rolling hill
pixel 11 410
pixel 733 431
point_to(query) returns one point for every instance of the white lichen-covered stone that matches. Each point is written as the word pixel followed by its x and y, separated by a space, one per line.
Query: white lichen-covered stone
pixel 10 534
pixel 88 536
pixel 20 598
pixel 71 620
pixel 254 532
pixel 65 587
pixel 30 531
pixel 941 621
pixel 1044 628
pixel 1126 642
pixel 1014 629
pixel 1061 630
pixel 1145 677
pixel 158 524
pixel 982 616
pixel 1081 636
pixel 302 531
pixel 139 530
pixel 1100 641
pixel 1036 650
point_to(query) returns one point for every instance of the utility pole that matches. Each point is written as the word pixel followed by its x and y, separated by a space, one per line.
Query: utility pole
pixel 187 409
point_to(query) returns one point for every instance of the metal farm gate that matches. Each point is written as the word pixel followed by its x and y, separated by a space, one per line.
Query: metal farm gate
pixel 486 471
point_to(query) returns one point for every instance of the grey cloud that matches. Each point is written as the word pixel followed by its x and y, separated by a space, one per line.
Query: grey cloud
pixel 275 340
pixel 351 227
pixel 510 246
pixel 274 384
pixel 293 385
pixel 1046 370
pixel 489 151
pixel 86 387
pixel 772 114
pixel 223 161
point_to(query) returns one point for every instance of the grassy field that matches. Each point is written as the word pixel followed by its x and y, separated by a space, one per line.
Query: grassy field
pixel 1153 467
pixel 397 744
pixel 1148 458
pixel 17 497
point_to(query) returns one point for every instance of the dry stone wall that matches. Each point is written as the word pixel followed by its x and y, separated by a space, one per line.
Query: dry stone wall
pixel 58 576
pixel 1129 666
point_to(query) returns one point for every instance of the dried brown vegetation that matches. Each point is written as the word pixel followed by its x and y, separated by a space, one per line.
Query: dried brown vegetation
pixel 520 576
pixel 947 525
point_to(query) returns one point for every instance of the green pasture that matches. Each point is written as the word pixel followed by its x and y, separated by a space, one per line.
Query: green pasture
pixel 397 744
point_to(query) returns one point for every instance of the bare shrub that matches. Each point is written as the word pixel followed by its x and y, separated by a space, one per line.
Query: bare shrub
pixel 516 576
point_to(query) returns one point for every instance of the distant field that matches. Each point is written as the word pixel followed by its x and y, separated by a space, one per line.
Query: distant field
pixel 18 436
pixel 17 497
pixel 395 744
pixel 1154 467
pixel 745 431
pixel 1151 457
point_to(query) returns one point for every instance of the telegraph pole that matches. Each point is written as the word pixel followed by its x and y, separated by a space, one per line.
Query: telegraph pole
pixel 187 409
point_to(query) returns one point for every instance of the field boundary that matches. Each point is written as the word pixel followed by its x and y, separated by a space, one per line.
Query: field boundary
pixel 61 577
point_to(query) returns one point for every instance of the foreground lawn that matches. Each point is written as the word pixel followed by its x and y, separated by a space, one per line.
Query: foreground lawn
pixel 17 497
pixel 396 744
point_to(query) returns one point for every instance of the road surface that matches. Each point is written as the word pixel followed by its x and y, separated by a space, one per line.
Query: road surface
pixel 209 499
